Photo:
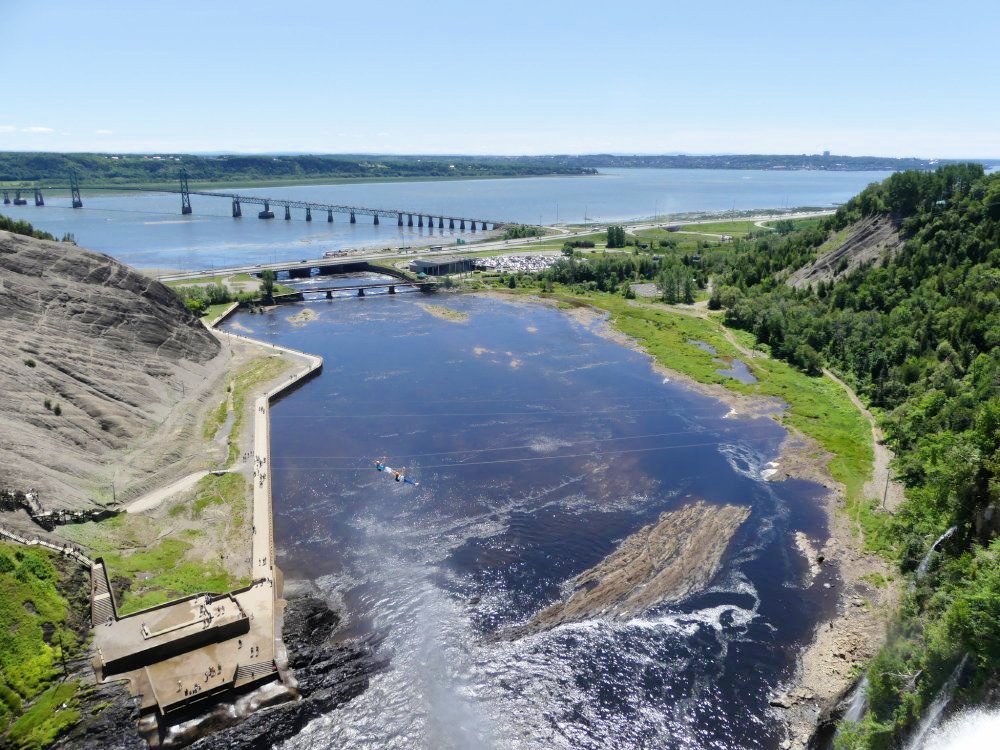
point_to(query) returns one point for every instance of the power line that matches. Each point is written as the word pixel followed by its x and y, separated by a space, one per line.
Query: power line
pixel 434 415
pixel 530 446
pixel 279 467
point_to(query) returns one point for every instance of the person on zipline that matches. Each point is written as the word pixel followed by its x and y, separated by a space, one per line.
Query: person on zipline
pixel 399 474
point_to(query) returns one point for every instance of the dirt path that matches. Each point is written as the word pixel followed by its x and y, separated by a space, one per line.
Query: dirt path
pixel 154 498
pixel 880 486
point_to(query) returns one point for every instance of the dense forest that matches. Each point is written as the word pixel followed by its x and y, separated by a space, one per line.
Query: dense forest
pixel 126 169
pixel 917 334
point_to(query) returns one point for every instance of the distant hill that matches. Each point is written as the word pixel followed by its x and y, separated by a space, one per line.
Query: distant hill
pixel 797 162
pixel 93 356
pixel 138 169
pixel 157 169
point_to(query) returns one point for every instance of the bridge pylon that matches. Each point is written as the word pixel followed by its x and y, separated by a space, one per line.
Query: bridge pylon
pixel 39 201
pixel 409 220
pixel 237 209
pixel 354 219
pixel 440 222
pixel 461 225
pixel 185 194
pixel 267 213
pixel 288 212
pixel 74 189
pixel 18 200
pixel 420 221
pixel 399 219
pixel 329 216
pixel 376 220
pixel 309 214
pixel 6 198
pixel 451 223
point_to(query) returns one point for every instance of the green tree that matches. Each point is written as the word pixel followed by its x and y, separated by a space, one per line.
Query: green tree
pixel 688 290
pixel 616 237
pixel 267 279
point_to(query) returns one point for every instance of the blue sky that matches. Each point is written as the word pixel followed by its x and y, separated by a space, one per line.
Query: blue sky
pixel 879 77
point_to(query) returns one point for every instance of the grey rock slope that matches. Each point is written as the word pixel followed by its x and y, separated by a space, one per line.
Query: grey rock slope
pixel 112 348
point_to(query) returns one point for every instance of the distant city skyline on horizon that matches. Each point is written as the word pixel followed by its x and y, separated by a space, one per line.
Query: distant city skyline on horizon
pixel 524 79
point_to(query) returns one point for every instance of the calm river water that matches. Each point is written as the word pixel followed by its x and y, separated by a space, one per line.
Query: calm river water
pixel 538 446
pixel 148 231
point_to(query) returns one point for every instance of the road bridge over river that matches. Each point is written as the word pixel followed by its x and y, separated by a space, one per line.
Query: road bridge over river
pixel 402 216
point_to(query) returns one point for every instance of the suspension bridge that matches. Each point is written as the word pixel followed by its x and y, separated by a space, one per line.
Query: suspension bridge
pixel 403 217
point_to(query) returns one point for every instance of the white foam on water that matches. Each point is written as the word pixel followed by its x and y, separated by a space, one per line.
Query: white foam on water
pixel 973 729
pixel 771 470
pixel 741 459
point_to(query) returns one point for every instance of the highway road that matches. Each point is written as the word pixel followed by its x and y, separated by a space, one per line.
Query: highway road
pixel 514 246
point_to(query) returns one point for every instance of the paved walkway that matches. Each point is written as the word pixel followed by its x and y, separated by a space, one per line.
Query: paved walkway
pixel 226 662
pixel 264 598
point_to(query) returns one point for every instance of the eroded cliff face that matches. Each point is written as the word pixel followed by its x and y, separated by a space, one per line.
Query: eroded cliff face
pixel 114 350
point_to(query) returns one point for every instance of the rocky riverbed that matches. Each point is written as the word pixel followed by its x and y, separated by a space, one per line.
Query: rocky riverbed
pixel 661 563
pixel 328 674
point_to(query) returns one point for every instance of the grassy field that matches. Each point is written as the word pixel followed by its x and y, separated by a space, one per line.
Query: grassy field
pixel 227 490
pixel 151 562
pixel 683 243
pixel 256 373
pixel 34 707
pixel 739 228
pixel 216 417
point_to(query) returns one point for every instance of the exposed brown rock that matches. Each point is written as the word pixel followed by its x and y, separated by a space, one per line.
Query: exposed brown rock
pixel 867 241
pixel 663 562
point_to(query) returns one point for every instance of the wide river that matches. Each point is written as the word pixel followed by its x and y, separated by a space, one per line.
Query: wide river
pixel 148 231
pixel 538 446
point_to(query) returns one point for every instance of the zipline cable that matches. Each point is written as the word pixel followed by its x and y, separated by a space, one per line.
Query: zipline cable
pixel 278 467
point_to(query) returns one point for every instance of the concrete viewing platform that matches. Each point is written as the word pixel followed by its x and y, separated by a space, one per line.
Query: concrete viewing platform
pixel 180 653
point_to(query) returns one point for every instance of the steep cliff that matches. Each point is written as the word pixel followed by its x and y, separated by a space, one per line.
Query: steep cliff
pixel 93 358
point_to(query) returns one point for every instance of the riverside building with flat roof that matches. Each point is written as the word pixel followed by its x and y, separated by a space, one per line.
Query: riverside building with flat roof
pixel 442 266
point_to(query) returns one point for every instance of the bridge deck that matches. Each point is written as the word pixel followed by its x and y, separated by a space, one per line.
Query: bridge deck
pixel 289 203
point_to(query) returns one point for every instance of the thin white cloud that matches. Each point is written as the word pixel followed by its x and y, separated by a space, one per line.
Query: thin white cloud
pixel 37 129
pixel 7 129
pixel 104 131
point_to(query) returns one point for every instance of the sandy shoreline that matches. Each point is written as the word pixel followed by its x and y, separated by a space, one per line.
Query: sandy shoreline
pixel 827 666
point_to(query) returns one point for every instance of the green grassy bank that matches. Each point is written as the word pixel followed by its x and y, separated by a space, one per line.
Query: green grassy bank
pixel 40 630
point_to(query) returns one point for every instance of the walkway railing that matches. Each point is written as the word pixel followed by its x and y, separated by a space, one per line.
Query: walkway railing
pixel 67 550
